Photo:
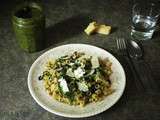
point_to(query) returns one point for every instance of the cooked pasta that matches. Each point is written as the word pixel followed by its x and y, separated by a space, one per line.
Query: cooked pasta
pixel 77 79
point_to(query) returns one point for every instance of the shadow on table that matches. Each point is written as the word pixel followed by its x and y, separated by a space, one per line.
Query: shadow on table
pixel 114 29
pixel 157 31
pixel 65 29
pixel 156 34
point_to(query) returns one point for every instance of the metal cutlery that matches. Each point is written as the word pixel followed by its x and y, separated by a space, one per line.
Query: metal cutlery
pixel 123 49
pixel 145 73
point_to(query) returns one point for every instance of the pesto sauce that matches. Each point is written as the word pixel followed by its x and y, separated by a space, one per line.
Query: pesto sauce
pixel 29 24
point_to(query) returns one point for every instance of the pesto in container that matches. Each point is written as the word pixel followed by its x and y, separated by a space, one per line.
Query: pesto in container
pixel 29 25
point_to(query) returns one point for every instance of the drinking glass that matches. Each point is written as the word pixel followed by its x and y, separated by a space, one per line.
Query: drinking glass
pixel 144 19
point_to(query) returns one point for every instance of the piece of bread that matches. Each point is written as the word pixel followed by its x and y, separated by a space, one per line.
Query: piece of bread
pixel 91 28
pixel 103 29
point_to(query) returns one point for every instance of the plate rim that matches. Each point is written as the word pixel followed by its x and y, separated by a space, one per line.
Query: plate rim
pixel 65 114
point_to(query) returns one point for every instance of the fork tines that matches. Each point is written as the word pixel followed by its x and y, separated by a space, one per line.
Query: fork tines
pixel 121 44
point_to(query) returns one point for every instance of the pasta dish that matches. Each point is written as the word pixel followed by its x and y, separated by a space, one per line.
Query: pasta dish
pixel 77 79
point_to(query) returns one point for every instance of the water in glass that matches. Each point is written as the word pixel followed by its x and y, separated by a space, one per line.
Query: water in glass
pixel 143 27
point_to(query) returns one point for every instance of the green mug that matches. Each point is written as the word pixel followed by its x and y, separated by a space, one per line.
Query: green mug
pixel 29 24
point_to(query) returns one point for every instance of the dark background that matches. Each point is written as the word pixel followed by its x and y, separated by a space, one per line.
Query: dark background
pixel 65 22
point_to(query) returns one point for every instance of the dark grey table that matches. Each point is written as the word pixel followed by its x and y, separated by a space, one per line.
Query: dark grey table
pixel 65 21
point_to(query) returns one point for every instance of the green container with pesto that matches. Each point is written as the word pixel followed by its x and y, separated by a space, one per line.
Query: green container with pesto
pixel 29 25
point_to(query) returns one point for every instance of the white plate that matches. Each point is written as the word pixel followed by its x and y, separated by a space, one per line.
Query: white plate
pixel 39 94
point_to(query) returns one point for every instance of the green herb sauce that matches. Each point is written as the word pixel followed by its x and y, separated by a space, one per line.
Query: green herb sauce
pixel 29 23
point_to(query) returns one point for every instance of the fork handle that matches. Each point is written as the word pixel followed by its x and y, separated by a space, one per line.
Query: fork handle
pixel 138 82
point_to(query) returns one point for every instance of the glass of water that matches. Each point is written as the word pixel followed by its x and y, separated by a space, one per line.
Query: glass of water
pixel 144 18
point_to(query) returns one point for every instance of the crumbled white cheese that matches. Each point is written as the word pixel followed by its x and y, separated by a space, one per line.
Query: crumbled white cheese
pixel 71 64
pixel 92 71
pixel 95 62
pixel 82 86
pixel 78 72
pixel 70 73
pixel 63 85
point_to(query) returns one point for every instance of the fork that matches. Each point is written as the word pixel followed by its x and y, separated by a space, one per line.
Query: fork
pixel 122 48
